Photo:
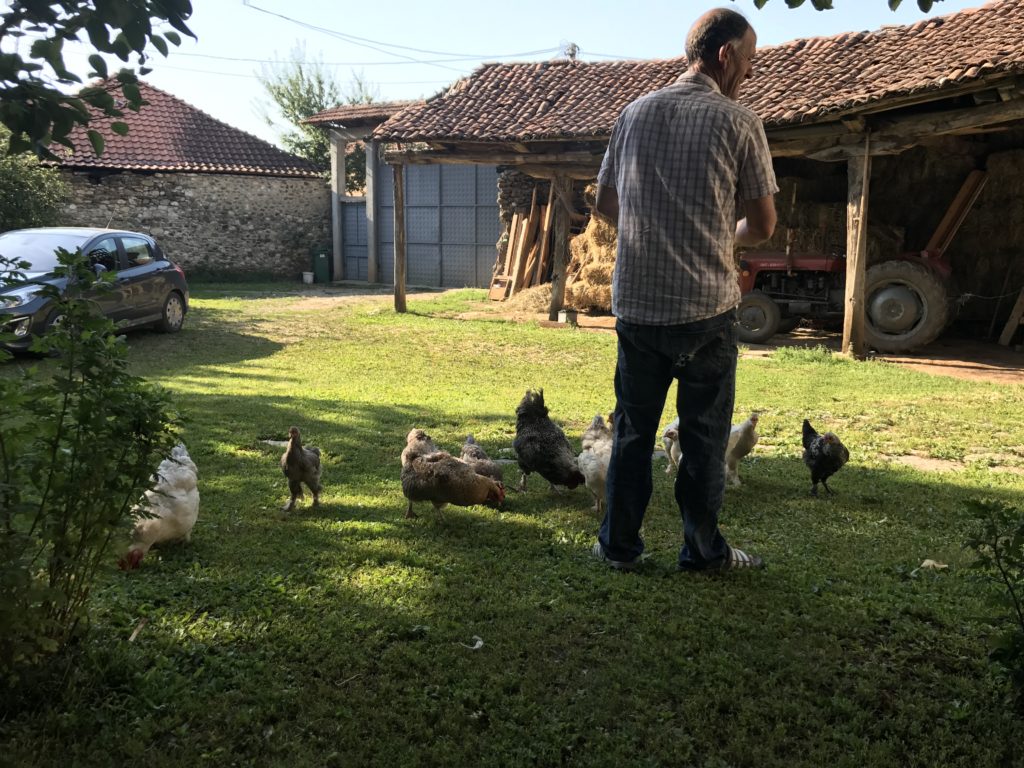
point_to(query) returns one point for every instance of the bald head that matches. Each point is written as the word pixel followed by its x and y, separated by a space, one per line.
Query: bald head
pixel 710 32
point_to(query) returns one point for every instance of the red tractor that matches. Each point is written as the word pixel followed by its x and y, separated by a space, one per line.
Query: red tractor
pixel 907 298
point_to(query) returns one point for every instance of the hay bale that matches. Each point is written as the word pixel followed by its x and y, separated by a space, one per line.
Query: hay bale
pixel 588 284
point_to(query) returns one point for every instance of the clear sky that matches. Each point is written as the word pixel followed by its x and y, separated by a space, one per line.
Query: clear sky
pixel 406 50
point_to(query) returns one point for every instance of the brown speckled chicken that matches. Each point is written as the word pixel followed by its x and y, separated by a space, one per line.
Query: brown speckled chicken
pixel 541 445
pixel 474 455
pixel 300 465
pixel 440 478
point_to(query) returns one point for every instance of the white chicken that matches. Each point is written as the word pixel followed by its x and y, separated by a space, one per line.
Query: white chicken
pixel 169 509
pixel 742 440
pixel 670 439
pixel 593 460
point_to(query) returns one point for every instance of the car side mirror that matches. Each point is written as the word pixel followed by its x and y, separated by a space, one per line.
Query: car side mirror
pixel 99 269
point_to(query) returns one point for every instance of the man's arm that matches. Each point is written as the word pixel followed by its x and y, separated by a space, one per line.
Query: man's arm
pixel 607 204
pixel 758 224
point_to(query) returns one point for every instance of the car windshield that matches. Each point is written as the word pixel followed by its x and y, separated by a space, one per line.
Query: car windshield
pixel 39 248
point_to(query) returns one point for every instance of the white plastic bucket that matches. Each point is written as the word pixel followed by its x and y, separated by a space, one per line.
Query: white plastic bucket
pixel 307 278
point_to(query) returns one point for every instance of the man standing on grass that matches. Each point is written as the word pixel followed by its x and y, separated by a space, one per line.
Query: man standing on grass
pixel 679 162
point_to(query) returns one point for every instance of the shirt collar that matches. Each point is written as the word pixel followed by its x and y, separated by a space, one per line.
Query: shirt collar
pixel 698 78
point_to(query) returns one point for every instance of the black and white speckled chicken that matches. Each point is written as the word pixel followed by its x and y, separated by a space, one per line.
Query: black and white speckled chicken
pixel 474 455
pixel 541 445
pixel 824 455
pixel 300 465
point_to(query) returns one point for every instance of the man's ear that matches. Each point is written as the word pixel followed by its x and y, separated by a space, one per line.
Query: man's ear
pixel 723 54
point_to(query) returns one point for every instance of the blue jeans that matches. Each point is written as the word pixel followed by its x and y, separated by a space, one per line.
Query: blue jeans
pixel 702 356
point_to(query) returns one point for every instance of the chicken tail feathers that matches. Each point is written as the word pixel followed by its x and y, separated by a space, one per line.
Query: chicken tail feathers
pixel 809 434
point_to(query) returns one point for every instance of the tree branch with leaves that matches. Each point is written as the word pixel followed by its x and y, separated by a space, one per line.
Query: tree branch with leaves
pixel 35 104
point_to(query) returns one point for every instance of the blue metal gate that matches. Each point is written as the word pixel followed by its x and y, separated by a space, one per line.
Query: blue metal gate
pixel 452 225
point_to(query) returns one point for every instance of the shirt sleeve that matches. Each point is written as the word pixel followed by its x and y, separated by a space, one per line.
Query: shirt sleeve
pixel 757 175
pixel 606 176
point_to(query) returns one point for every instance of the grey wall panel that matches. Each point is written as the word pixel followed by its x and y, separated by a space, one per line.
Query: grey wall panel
pixel 422 185
pixel 460 269
pixel 354 223
pixel 423 225
pixel 458 185
pixel 488 224
pixel 423 264
pixel 458 225
pixel 486 185
pixel 452 225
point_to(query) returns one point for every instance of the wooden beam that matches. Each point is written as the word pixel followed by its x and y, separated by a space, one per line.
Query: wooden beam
pixel 399 240
pixel 949 121
pixel 957 212
pixel 561 248
pixel 1014 321
pixel 426 157
pixel 545 237
pixel 858 184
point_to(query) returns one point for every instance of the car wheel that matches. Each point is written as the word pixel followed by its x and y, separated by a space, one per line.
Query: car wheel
pixel 759 318
pixel 173 314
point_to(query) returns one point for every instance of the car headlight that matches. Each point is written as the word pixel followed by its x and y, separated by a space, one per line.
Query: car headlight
pixel 19 296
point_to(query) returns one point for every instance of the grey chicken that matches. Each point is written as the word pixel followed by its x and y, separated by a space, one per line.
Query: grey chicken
pixel 742 439
pixel 417 442
pixel 474 455
pixel 824 455
pixel 300 465
pixel 594 458
pixel 541 445
pixel 440 478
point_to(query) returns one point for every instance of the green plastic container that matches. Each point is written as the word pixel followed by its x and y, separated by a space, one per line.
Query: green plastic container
pixel 322 266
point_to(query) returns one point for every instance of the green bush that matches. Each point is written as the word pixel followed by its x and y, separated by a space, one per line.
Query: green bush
pixel 999 546
pixel 30 194
pixel 76 451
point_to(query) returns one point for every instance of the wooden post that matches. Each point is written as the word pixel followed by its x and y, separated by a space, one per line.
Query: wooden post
pixel 858 172
pixel 560 252
pixel 399 240
pixel 372 257
pixel 338 145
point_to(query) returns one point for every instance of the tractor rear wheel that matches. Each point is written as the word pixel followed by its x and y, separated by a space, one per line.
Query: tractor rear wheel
pixel 759 318
pixel 906 306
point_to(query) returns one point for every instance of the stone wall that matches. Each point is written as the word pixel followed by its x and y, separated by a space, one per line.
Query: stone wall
pixel 211 224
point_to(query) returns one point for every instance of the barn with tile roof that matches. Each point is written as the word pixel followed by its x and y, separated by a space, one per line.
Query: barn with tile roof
pixel 911 110
pixel 219 200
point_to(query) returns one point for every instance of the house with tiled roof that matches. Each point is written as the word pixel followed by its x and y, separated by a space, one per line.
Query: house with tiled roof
pixel 927 103
pixel 219 200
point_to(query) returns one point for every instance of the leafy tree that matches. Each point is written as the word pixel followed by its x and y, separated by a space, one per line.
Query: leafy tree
pixel 34 104
pixel 30 195
pixel 300 89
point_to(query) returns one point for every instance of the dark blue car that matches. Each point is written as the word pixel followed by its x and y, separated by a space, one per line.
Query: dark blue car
pixel 148 288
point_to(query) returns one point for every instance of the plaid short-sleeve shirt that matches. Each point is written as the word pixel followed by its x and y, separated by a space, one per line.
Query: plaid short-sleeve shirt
pixel 680 159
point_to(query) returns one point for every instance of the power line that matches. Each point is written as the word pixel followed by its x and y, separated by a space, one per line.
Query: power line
pixel 354 38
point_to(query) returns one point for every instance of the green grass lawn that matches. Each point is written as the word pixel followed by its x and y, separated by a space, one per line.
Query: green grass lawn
pixel 344 635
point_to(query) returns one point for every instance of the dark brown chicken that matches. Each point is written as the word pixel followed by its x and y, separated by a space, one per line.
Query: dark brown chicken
pixel 541 445
pixel 300 465
pixel 824 455
pixel 440 478
pixel 474 455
